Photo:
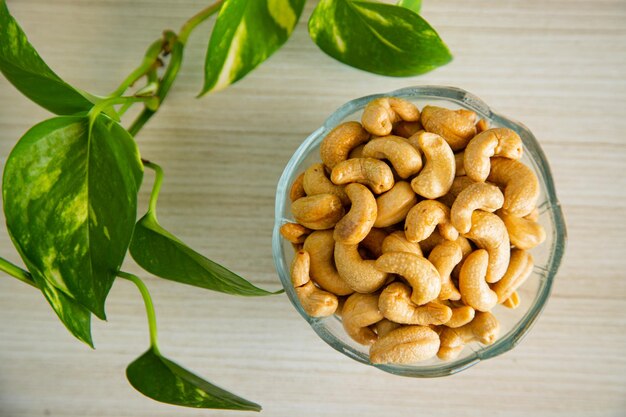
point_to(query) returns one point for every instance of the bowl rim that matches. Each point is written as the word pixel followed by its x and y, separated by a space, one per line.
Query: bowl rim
pixel 469 101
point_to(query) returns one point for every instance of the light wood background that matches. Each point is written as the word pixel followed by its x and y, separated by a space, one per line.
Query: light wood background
pixel 558 66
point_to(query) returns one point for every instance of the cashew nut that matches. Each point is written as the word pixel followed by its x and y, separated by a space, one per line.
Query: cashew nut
pixel 320 246
pixel 520 268
pixel 419 272
pixel 359 312
pixel 300 268
pixel 513 301
pixel 450 344
pixel 466 249
pixel 459 166
pixel 445 257
pixel 357 152
pixel 484 329
pixel 521 186
pixel 318 212
pixel 489 232
pixel 428 244
pixel 458 185
pixel 482 125
pixel 393 206
pixel 424 217
pixel 493 142
pixel 297 188
pixel 360 274
pixel 373 242
pixel 316 302
pixel 474 289
pixel 316 182
pixel 404 158
pixel 368 171
pixel 523 233
pixel 294 232
pixel 533 215
pixel 338 143
pixel 477 196
pixel 406 129
pixel 407 344
pixel 380 114
pixel 358 222
pixel 455 126
pixel 435 179
pixel 397 242
pixel 385 326
pixel 396 305
pixel 460 316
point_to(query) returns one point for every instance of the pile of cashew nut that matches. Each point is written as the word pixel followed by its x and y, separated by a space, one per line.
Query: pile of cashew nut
pixel 413 227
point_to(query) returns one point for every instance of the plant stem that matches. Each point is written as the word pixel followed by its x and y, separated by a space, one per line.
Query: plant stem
pixel 149 60
pixel 147 300
pixel 17 272
pixel 156 188
pixel 195 20
pixel 98 108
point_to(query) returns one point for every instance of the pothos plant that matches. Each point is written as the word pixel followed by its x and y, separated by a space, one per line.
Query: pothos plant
pixel 70 183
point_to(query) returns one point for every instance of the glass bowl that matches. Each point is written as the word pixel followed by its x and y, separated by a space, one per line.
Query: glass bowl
pixel 514 324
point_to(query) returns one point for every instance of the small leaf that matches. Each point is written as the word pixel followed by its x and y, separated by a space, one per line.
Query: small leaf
pixel 70 201
pixel 162 254
pixel 415 5
pixel 23 67
pixel 246 33
pixel 163 380
pixel 376 37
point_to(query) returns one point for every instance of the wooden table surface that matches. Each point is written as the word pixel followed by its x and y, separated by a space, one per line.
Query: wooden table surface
pixel 558 66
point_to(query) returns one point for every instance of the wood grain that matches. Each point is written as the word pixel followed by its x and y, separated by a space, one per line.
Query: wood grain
pixel 558 66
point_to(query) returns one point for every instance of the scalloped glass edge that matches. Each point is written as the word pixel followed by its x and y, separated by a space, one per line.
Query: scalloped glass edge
pixel 469 101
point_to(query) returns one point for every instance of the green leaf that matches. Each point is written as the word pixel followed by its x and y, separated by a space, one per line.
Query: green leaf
pixel 70 202
pixel 164 255
pixel 246 33
pixel 415 5
pixel 23 67
pixel 375 37
pixel 163 380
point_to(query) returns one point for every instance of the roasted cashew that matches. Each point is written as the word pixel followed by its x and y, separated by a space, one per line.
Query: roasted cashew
pixel 533 215
pixel 300 268
pixel 445 257
pixel 297 188
pixel 513 301
pixel 474 289
pixel 340 141
pixel 455 126
pixel 459 165
pixel 404 158
pixel 450 344
pixel 359 312
pixel 394 205
pixel 421 274
pixel 458 185
pixel 460 316
pixel 520 268
pixel 396 305
pixel 368 171
pixel 466 249
pixel 428 244
pixel 380 114
pixel 484 329
pixel 294 232
pixel 316 302
pixel 357 152
pixel 521 186
pixel 489 232
pixel 482 125
pixel 435 178
pixel 523 233
pixel 493 142
pixel 316 182
pixel 321 248
pixel 360 274
pixel 373 242
pixel 424 217
pixel 385 326
pixel 406 129
pixel 358 222
pixel 407 344
pixel 477 196
pixel 318 212
pixel 397 242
